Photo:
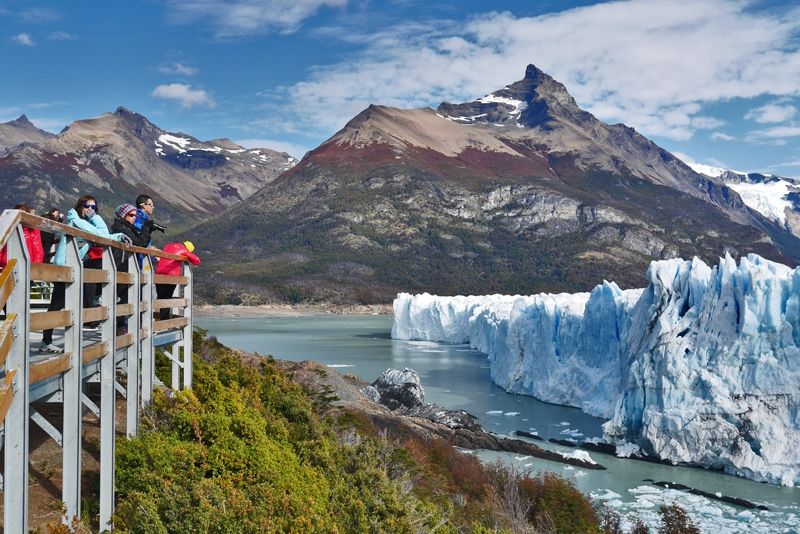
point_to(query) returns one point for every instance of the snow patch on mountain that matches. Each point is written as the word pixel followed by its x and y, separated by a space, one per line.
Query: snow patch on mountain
pixel 701 168
pixel 178 143
pixel 700 367
pixel 767 198
pixel 765 193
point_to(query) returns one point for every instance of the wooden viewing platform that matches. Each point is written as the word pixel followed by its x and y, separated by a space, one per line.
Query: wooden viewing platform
pixel 27 377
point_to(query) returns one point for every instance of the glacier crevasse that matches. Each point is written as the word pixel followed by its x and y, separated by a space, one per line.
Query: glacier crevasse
pixel 702 366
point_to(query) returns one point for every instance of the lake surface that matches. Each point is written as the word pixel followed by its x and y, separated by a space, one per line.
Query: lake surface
pixel 457 377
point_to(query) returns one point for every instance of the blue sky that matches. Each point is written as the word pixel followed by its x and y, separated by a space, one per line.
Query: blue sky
pixel 717 81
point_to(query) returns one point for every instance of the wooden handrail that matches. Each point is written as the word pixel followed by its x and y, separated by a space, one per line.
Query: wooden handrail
pixel 125 278
pixel 169 303
pixel 95 276
pixel 124 310
pixel 125 340
pixel 6 394
pixel 98 313
pixel 46 225
pixel 50 367
pixel 94 352
pixel 170 279
pixel 7 281
pixel 9 220
pixel 47 272
pixel 168 324
pixel 6 336
pixel 51 319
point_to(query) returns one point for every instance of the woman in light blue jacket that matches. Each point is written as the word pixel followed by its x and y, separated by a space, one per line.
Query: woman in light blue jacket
pixel 83 217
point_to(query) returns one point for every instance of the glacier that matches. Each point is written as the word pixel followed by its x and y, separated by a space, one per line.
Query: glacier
pixel 700 367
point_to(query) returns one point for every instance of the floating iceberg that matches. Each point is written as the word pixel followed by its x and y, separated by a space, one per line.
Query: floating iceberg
pixel 701 367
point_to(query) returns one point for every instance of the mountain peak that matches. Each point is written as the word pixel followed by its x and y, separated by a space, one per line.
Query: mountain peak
pixel 22 120
pixel 545 86
pixel 535 100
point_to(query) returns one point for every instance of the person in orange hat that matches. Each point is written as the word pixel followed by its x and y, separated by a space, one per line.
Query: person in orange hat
pixel 173 268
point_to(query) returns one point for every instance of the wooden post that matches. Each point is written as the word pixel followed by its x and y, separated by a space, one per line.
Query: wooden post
pixel 15 496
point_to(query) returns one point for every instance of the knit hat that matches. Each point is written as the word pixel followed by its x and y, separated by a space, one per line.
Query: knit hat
pixel 189 246
pixel 123 209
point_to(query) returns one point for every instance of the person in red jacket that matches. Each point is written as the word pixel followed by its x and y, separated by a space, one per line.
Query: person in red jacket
pixel 173 268
pixel 33 239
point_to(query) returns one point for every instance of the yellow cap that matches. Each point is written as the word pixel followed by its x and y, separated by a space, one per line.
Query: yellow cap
pixel 189 246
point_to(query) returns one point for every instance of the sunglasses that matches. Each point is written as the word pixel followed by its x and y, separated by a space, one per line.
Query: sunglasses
pixel 130 214
pixel 90 206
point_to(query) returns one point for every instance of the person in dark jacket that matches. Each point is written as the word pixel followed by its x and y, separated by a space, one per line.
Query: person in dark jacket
pixel 48 238
pixel 124 223
pixel 144 218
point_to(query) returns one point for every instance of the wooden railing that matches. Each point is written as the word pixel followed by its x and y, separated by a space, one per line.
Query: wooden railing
pixel 26 377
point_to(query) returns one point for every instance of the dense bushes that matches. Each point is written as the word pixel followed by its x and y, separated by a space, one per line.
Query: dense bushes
pixel 245 451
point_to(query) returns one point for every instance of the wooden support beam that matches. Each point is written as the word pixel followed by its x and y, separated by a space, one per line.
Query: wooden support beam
pixel 143 333
pixel 49 320
pixel 169 279
pixel 6 394
pixel 169 303
pixel 126 278
pixel 124 341
pixel 6 336
pixel 168 324
pixel 94 351
pixel 124 310
pixel 99 313
pixel 143 306
pixel 7 281
pixel 47 272
pixel 95 276
pixel 51 367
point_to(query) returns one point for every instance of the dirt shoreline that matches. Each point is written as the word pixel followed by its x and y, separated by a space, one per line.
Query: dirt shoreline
pixel 265 310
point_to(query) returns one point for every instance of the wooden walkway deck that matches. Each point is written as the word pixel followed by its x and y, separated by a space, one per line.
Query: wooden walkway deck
pixel 27 377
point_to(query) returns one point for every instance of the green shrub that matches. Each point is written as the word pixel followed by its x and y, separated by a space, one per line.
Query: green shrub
pixel 245 451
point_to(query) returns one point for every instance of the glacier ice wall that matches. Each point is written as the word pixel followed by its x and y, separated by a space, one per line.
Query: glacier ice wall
pixel 702 366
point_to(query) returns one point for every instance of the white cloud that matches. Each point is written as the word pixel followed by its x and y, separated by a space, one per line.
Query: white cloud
pixel 184 94
pixel 707 123
pixel 61 36
pixel 722 136
pixel 38 15
pixel 236 18
pixel 775 135
pixel 281 146
pixel 653 64
pixel 23 39
pixel 176 68
pixel 772 112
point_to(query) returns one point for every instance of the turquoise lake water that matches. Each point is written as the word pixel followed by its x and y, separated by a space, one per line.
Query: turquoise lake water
pixel 457 377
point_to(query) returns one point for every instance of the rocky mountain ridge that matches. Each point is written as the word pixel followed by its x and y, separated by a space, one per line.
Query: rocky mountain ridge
pixel 118 155
pixel 518 192
pixel 20 130
pixel 775 197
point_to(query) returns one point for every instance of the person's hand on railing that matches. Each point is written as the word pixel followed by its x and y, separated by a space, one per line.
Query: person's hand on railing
pixel 122 238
